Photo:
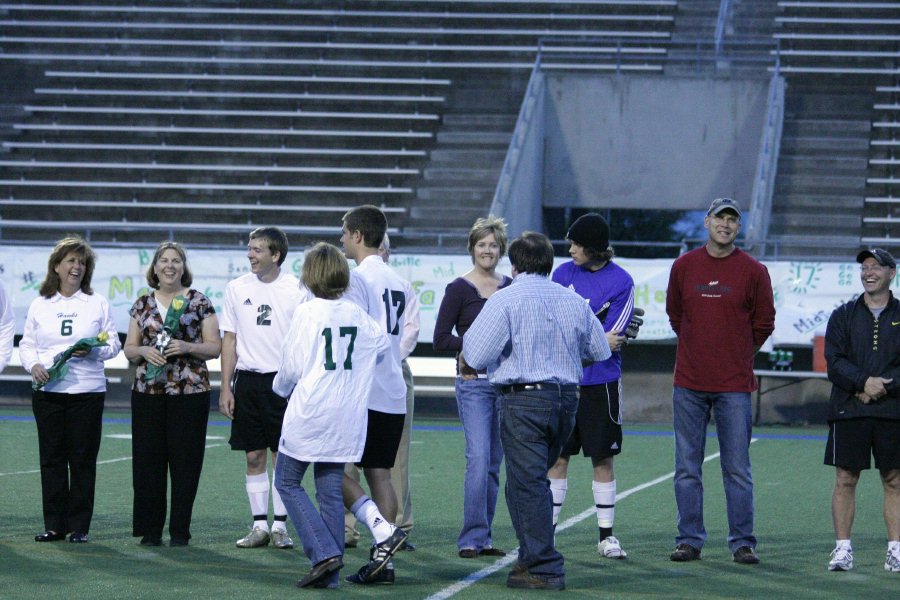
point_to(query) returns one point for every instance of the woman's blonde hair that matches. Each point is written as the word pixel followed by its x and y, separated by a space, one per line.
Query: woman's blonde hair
pixel 483 227
pixel 325 271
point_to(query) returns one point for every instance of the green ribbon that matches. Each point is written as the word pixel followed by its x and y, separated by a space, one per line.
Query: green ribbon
pixel 59 369
pixel 171 324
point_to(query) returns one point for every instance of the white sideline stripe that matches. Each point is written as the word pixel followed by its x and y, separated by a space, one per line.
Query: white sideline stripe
pixel 510 558
pixel 99 462
pixel 127 436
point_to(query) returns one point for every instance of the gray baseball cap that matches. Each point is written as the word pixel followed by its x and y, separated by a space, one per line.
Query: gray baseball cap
pixel 720 204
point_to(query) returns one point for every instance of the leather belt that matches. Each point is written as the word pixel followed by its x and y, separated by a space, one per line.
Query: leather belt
pixel 245 373
pixel 514 388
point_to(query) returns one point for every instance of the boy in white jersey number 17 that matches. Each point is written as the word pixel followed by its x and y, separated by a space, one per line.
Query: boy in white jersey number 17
pixel 378 290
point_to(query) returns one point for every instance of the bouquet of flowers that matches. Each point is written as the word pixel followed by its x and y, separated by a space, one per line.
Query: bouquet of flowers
pixel 170 326
pixel 60 368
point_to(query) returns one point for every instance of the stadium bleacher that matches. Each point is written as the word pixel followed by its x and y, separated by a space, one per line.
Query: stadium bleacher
pixel 241 115
pixel 836 171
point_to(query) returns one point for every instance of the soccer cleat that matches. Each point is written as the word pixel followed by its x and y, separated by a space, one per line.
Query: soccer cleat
pixel 685 553
pixel 892 561
pixel 381 555
pixel 255 539
pixel 281 539
pixel 842 559
pixel 385 577
pixel 610 548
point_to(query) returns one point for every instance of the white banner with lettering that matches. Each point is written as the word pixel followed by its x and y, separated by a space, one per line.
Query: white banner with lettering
pixel 805 292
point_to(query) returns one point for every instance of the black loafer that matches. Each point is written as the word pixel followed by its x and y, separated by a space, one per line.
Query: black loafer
pixel 321 571
pixel 174 542
pixel 49 536
pixel 490 551
pixel 151 540
pixel 745 555
pixel 468 553
pixel 685 553
pixel 78 538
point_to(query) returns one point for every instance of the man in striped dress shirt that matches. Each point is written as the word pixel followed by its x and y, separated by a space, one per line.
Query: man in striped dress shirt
pixel 533 337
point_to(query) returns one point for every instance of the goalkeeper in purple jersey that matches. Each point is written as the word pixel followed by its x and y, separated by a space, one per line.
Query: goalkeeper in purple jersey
pixel 598 425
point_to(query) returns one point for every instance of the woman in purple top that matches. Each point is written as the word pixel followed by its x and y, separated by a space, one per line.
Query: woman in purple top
pixel 476 399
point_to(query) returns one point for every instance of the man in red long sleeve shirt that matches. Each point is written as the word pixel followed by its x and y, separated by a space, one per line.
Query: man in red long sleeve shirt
pixel 721 306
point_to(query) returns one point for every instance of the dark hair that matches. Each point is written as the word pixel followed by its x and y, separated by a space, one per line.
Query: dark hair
pixel 369 221
pixel 486 226
pixel 187 278
pixel 276 238
pixel 69 244
pixel 325 271
pixel 531 252
pixel 596 256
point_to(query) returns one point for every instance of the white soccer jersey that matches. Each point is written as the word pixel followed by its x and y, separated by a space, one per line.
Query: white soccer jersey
pixel 259 315
pixel 328 360
pixel 410 321
pixel 53 324
pixel 7 328
pixel 384 299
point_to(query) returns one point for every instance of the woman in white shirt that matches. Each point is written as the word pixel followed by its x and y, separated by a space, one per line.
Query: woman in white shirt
pixel 327 369
pixel 68 410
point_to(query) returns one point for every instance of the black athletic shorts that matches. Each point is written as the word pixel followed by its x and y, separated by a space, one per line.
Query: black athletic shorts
pixel 598 423
pixel 852 443
pixel 258 412
pixel 382 440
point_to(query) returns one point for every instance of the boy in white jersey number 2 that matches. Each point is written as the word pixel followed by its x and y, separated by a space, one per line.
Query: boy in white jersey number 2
pixel 256 313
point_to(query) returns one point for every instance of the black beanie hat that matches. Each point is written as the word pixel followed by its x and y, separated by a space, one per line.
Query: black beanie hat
pixel 590 231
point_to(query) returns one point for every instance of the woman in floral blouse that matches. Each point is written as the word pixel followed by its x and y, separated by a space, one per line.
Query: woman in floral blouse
pixel 172 333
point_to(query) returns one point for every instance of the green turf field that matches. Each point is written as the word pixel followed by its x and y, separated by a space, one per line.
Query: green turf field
pixel 793 524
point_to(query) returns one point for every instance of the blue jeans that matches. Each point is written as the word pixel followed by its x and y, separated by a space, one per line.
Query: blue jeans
pixel 478 411
pixel 322 535
pixel 733 428
pixel 534 426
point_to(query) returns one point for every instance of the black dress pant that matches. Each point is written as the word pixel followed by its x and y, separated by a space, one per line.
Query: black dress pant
pixel 168 439
pixel 69 428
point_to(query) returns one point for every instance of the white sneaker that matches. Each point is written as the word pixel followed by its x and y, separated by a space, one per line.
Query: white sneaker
pixel 892 561
pixel 281 539
pixel 842 559
pixel 610 548
pixel 257 538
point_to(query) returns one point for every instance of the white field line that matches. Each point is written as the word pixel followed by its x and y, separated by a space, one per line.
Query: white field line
pixel 510 558
pixel 99 462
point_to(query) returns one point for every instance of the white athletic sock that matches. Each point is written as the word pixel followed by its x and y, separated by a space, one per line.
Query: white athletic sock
pixel 278 509
pixel 258 493
pixel 894 546
pixel 843 544
pixel 368 513
pixel 605 501
pixel 558 487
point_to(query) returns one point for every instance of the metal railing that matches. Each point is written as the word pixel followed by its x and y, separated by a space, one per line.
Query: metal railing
pixel 500 205
pixel 766 166
pixel 724 10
